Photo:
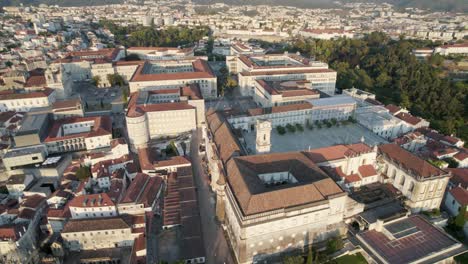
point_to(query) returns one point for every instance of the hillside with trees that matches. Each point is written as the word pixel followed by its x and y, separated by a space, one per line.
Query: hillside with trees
pixel 387 68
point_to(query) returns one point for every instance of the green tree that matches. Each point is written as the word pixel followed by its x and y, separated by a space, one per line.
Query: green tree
pixel 8 64
pixel 334 244
pixel 293 260
pixel 460 219
pixel 83 173
pixel 310 257
pixel 96 80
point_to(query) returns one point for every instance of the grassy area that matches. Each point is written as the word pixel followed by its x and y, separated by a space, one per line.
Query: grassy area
pixel 350 259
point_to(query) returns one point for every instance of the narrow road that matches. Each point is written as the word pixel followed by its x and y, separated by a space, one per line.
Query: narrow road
pixel 216 246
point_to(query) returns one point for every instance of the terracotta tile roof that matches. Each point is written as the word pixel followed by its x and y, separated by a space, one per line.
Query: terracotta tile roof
pixel 12 232
pixel 226 143
pixel 461 156
pixel 159 107
pixel 63 213
pixel 96 224
pixel 352 178
pixel 137 186
pixel 27 213
pixel 460 195
pixel 409 161
pixel 36 81
pixel 393 108
pixel 460 177
pixel 367 171
pixel 192 91
pixel 172 161
pixel 201 70
pixel 409 118
pixel 33 201
pixel 66 104
pixel 336 152
pixel 11 95
pixel 91 200
pixel 255 197
pixel 102 126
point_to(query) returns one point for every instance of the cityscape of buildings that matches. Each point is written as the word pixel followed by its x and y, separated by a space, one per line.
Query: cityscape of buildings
pixel 132 154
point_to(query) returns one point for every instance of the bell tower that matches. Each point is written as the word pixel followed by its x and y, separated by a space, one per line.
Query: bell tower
pixel 262 142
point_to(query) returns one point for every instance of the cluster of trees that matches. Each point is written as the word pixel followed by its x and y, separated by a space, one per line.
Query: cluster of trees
pixel 387 68
pixel 314 256
pixel 225 82
pixel 140 36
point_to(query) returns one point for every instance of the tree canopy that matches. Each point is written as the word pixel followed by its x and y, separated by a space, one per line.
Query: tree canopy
pixel 387 68
pixel 141 36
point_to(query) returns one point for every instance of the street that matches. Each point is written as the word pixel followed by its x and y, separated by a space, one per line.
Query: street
pixel 216 246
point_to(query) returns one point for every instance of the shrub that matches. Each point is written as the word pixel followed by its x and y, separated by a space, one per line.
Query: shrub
pixel 291 128
pixel 299 127
pixel 333 121
pixel 310 127
pixel 281 130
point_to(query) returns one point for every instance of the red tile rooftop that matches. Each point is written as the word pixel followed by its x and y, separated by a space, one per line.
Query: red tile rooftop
pixel 12 232
pixel 201 70
pixel 91 200
pixel 96 224
pixel 66 104
pixel 138 110
pixel 102 126
pixel 336 152
pixel 459 177
pixel 36 81
pixel 461 156
pixel 352 178
pixel 11 95
pixel 409 161
pixel 393 108
pixel 367 171
pixel 412 248
pixel 408 118
pixel 460 195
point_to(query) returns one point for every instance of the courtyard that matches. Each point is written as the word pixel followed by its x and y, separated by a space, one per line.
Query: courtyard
pixel 316 138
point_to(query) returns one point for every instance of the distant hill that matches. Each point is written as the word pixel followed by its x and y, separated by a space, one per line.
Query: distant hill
pixel 435 5
pixel 59 2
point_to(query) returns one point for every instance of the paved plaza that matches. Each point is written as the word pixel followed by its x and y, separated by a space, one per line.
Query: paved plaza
pixel 316 138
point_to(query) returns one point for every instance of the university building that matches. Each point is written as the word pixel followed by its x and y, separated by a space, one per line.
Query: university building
pixel 153 75
pixel 281 67
pixel 164 112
